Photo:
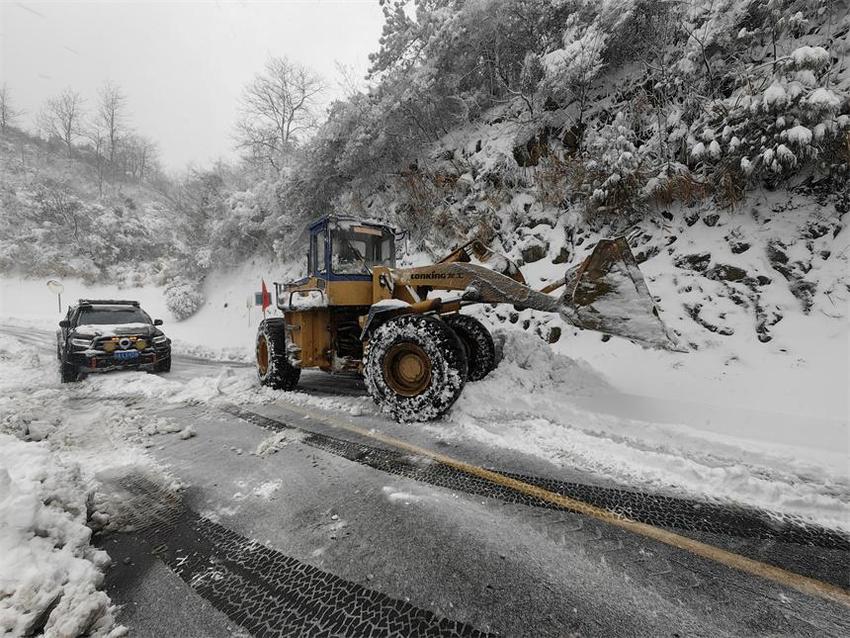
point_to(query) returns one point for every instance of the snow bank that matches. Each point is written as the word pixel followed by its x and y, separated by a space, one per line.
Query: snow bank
pixel 49 574
pixel 560 409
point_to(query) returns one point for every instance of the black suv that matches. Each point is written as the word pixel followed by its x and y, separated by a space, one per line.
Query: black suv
pixel 100 335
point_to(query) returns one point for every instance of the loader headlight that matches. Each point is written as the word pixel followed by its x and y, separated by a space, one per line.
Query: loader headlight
pixel 81 343
pixel 160 339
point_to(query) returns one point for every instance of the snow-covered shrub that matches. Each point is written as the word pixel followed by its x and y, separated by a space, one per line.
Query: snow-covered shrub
pixel 530 77
pixel 552 179
pixel 420 199
pixel 239 231
pixel 183 298
pixel 674 182
pixel 775 123
pixel 615 170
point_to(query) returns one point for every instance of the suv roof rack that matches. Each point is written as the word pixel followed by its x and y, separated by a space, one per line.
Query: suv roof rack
pixel 108 302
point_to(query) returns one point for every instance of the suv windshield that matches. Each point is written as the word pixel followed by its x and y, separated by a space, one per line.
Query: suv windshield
pixel 358 248
pixel 105 315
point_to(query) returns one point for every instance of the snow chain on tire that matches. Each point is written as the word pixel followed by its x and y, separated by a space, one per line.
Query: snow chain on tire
pixel 415 367
pixel 273 366
pixel 480 349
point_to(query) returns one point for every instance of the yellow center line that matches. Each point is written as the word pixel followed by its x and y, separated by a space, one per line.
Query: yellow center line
pixel 804 584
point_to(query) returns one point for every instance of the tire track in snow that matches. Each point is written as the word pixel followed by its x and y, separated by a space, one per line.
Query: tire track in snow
pixel 265 591
pixel 828 560
pixel 666 511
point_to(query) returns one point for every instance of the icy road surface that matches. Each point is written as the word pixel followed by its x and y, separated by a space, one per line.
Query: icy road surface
pixel 228 509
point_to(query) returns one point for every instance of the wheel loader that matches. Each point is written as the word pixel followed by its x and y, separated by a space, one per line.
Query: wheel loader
pixel 403 329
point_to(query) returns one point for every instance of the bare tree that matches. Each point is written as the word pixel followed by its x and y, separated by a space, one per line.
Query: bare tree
pixel 62 117
pixel 278 110
pixel 148 154
pixel 348 81
pixel 95 136
pixel 137 157
pixel 111 117
pixel 8 113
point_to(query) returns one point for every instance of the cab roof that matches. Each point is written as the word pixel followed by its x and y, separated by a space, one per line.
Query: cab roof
pixel 323 220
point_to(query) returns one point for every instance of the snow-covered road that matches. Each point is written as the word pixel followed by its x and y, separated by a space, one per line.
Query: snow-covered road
pixel 263 512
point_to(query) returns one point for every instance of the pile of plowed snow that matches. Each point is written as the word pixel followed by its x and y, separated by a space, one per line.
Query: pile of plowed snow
pixel 530 379
pixel 49 573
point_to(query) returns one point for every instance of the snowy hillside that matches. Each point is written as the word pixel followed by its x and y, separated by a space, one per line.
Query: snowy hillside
pixel 81 227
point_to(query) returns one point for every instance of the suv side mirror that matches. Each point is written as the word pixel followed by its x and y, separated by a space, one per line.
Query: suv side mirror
pixel 64 324
pixel 157 322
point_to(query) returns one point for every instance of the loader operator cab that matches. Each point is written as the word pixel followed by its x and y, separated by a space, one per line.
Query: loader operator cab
pixel 347 249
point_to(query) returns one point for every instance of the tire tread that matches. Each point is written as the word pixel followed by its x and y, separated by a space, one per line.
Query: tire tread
pixel 281 374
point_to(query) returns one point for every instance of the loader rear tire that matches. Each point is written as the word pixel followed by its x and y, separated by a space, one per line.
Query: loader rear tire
pixel 273 366
pixel 480 349
pixel 415 367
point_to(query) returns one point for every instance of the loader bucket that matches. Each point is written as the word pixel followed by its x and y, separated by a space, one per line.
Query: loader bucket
pixel 607 293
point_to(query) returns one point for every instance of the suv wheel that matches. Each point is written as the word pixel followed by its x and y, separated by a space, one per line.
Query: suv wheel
pixel 163 365
pixel 69 372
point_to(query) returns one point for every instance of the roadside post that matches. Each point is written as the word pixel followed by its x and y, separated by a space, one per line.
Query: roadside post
pixel 56 288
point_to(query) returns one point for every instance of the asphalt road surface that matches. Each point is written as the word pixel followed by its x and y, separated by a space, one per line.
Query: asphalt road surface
pixel 358 526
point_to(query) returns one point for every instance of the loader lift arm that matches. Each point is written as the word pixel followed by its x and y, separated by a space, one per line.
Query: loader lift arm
pixel 605 292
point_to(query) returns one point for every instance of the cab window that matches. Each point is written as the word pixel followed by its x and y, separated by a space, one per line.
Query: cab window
pixel 318 251
pixel 356 249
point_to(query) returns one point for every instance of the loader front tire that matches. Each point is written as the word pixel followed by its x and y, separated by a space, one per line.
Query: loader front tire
pixel 273 366
pixel 415 367
pixel 478 342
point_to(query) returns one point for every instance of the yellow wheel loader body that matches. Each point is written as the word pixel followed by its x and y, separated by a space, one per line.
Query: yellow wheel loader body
pixel 354 294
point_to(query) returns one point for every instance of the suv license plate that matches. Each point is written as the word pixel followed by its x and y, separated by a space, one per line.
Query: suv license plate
pixel 126 355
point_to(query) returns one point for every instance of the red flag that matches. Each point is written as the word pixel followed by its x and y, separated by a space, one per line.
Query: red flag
pixel 267 297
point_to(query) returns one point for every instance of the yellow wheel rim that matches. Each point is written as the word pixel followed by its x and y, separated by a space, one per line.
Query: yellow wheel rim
pixel 407 369
pixel 263 355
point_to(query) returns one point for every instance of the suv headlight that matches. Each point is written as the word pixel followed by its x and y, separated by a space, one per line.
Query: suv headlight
pixel 81 343
pixel 160 339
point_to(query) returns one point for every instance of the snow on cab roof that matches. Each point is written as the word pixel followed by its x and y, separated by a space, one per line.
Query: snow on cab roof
pixel 366 221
